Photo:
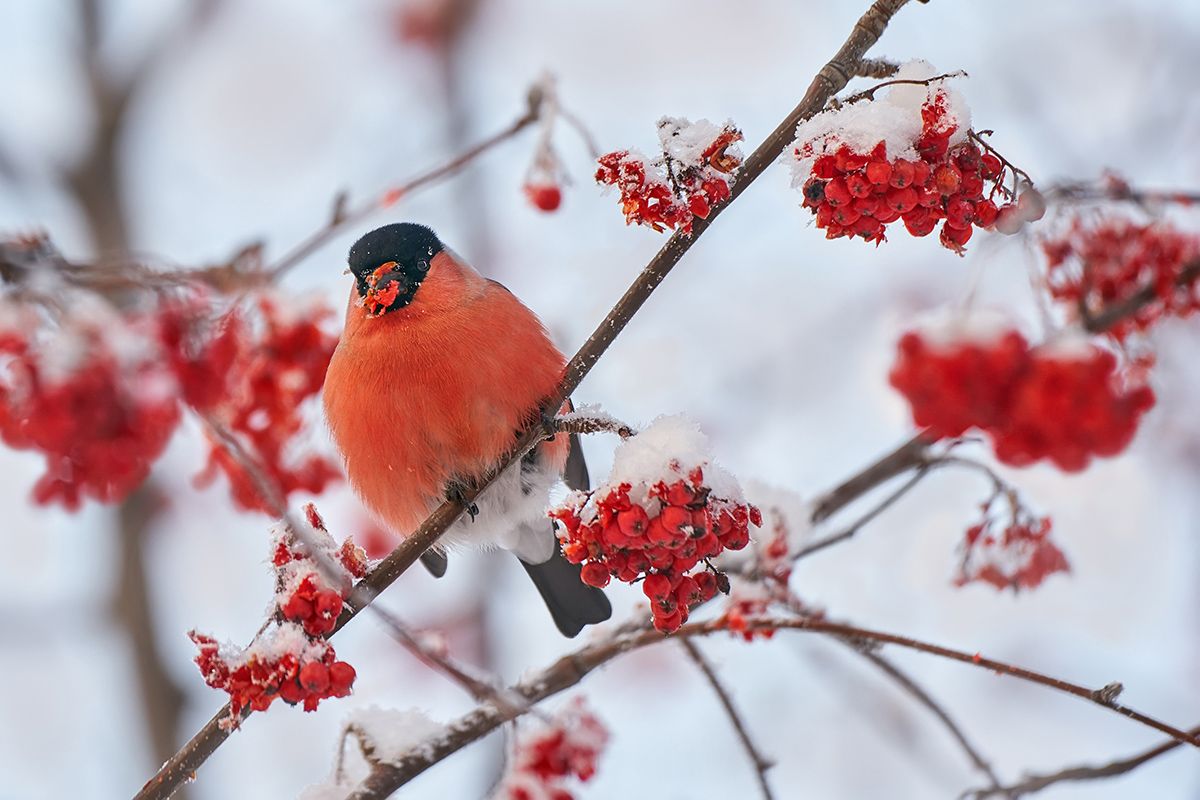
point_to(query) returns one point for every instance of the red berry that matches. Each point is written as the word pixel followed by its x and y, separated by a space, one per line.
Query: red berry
pixel 594 574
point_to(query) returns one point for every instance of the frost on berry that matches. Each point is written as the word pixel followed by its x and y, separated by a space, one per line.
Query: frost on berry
pixel 690 177
pixel 1095 264
pixel 1017 554
pixel 567 747
pixel 282 662
pixel 280 363
pixel 90 394
pixel 665 508
pixel 1065 402
pixel 906 156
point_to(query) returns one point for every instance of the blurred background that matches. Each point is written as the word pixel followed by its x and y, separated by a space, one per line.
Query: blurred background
pixel 184 130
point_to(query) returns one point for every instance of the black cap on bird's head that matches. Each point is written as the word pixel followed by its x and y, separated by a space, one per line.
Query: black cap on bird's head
pixel 389 264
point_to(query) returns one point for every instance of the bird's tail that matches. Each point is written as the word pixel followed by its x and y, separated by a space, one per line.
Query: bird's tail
pixel 572 602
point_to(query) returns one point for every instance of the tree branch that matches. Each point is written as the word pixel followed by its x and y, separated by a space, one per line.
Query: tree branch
pixel 829 80
pixel 909 455
pixel 1114 313
pixel 1035 783
pixel 569 670
pixel 343 218
pixel 761 762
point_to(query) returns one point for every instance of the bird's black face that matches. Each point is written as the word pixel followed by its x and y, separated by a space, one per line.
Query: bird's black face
pixel 389 264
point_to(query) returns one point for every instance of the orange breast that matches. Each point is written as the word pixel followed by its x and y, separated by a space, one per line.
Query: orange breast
pixel 436 390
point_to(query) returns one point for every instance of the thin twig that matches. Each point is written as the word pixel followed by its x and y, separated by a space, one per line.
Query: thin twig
pixel 854 527
pixel 877 68
pixel 583 423
pixel 918 693
pixel 910 455
pixel 1084 772
pixel 349 217
pixel 761 762
pixel 481 689
pixel 830 79
pixel 386 778
pixel 1110 315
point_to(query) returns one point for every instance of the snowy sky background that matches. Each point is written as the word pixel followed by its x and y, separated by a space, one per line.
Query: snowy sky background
pixel 777 341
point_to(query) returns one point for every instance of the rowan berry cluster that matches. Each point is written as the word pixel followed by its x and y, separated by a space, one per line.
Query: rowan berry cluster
pixel 277 367
pixel 291 659
pixel 305 593
pixel 89 397
pixel 1097 264
pixel 1064 402
pixel 1020 556
pixel 684 183
pixel 912 160
pixel 568 747
pixel 658 525
pixel 282 663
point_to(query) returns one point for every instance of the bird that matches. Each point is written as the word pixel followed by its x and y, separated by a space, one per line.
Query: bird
pixel 437 371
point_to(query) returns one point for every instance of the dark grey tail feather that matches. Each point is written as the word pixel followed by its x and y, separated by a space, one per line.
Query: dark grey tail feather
pixel 435 561
pixel 572 602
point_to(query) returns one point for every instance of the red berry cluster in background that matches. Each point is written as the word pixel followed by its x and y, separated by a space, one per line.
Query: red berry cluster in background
pixel 568 747
pixel 658 532
pixel 1100 263
pixel 282 663
pixel 1062 402
pixel 278 367
pixel 1020 556
pixel 856 191
pixel 690 177
pixel 96 404
pixel 291 659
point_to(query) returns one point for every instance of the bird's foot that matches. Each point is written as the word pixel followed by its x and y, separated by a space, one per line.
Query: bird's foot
pixel 456 492
pixel 549 424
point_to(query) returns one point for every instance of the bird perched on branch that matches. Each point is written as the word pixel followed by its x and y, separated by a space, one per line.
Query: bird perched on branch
pixel 437 371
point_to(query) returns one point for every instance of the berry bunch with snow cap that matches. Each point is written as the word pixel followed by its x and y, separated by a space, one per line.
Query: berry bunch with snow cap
pixel 909 156
pixel 1064 401
pixel 691 176
pixel 665 508
pixel 568 746
pixel 291 659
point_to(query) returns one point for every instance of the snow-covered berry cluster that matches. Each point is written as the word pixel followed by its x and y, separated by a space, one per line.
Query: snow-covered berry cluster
pixel 279 364
pixel 1020 556
pixel 664 509
pixel 291 659
pixel 283 662
pixel 907 156
pixel 305 591
pixel 1096 264
pixel 568 747
pixel 89 395
pixel 685 182
pixel 1065 401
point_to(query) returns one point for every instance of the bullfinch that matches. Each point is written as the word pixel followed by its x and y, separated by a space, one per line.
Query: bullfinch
pixel 436 373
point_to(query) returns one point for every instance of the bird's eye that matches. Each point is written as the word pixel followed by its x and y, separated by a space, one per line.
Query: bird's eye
pixel 423 265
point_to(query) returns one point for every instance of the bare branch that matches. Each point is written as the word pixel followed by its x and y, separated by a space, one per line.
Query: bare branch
pixel 578 422
pixel 1035 783
pixel 344 217
pixel 910 455
pixel 878 68
pixel 761 762
pixel 386 778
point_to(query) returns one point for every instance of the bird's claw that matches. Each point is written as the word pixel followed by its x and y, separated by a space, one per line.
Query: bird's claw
pixel 549 424
pixel 456 492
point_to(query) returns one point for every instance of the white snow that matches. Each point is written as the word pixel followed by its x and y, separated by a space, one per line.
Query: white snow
pixel 685 141
pixel 668 449
pixel 893 117
pixel 389 733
